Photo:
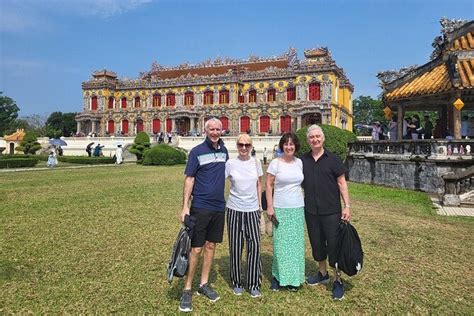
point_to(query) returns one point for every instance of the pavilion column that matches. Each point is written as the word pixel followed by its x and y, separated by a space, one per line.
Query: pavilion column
pixel 93 126
pixel 298 122
pixel 456 119
pixel 78 127
pixel 400 122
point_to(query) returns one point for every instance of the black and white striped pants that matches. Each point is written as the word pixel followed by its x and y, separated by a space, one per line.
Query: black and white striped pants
pixel 244 226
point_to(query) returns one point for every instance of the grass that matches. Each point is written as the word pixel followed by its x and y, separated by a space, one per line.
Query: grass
pixel 98 240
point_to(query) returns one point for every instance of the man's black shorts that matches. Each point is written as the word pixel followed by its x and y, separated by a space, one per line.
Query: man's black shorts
pixel 209 226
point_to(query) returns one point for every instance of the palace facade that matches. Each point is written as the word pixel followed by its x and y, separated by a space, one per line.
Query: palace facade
pixel 260 95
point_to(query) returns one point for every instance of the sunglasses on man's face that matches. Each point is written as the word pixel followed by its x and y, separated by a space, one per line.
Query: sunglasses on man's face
pixel 242 145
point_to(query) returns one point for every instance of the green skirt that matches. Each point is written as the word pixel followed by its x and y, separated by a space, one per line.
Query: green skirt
pixel 288 246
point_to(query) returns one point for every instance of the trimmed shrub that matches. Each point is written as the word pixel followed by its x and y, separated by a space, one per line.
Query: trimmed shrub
pixel 16 156
pixel 140 145
pixel 86 160
pixel 17 162
pixel 29 144
pixel 163 155
pixel 336 140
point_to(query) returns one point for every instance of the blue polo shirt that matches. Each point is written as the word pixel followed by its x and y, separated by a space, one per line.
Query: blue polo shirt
pixel 207 166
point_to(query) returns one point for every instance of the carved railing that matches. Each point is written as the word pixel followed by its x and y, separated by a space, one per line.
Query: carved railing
pixel 456 185
pixel 435 149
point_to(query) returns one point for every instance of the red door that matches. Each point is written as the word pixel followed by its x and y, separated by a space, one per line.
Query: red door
pixel 225 123
pixel 156 126
pixel 139 126
pixel 264 124
pixel 244 124
pixel 94 103
pixel 111 127
pixel 169 125
pixel 125 126
pixel 285 123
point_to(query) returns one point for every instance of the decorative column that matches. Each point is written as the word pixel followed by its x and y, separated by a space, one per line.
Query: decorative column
pixel 173 125
pixel 191 124
pixel 399 122
pixel 93 126
pixel 298 122
pixel 78 123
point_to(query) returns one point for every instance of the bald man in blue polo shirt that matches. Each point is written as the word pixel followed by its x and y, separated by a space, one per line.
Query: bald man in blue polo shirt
pixel 204 181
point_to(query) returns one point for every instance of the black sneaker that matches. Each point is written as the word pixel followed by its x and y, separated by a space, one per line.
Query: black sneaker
pixel 318 279
pixel 338 290
pixel 275 285
pixel 208 292
pixel 186 303
pixel 292 288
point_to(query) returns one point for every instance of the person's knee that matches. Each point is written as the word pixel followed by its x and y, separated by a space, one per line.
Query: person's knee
pixel 196 250
pixel 210 246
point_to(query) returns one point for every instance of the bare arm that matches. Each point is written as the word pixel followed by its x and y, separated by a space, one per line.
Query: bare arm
pixel 259 192
pixel 187 190
pixel 346 212
pixel 269 193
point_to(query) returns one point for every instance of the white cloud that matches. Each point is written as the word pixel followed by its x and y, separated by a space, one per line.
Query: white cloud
pixel 25 15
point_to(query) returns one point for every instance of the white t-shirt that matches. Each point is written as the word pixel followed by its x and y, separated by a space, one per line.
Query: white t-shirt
pixel 288 178
pixel 243 175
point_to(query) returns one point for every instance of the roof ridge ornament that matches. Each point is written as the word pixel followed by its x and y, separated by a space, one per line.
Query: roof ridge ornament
pixel 447 26
pixel 389 76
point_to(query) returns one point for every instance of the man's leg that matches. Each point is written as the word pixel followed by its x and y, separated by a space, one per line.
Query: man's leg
pixel 193 261
pixel 209 250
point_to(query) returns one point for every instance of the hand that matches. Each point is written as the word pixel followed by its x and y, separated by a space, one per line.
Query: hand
pixel 346 214
pixel 270 212
pixel 184 212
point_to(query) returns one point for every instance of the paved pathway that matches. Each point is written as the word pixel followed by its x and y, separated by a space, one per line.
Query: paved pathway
pixel 452 210
pixel 56 168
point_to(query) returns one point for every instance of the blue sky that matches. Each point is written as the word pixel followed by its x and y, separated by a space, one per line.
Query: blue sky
pixel 49 47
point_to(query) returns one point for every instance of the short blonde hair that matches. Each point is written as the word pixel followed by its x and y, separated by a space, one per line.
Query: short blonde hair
pixel 244 137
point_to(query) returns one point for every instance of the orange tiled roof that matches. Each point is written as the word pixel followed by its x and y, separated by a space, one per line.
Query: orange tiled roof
pixel 219 70
pixel 434 81
pixel 463 42
pixel 465 69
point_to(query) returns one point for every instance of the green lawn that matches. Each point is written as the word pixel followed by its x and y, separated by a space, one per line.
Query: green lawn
pixel 98 240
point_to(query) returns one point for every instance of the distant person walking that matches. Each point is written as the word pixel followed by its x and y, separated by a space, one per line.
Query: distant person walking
pixel 118 155
pixel 265 154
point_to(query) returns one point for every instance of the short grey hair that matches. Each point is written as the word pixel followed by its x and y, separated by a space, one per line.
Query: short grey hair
pixel 315 127
pixel 212 119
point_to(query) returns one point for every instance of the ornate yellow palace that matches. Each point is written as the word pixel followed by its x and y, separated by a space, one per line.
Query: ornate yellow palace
pixel 261 95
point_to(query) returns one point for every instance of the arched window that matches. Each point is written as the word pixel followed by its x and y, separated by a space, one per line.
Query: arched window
pixel 156 100
pixel 170 99
pixel 125 127
pixel 285 124
pixel 291 94
pixel 314 91
pixel 244 124
pixel 225 123
pixel 208 97
pixel 189 98
pixel 111 103
pixel 111 127
pixel 94 103
pixel 169 125
pixel 271 95
pixel 137 102
pixel 241 97
pixel 124 103
pixel 224 97
pixel 156 126
pixel 264 123
pixel 252 96
pixel 139 126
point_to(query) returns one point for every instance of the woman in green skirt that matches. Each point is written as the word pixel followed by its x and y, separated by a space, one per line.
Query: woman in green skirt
pixel 286 210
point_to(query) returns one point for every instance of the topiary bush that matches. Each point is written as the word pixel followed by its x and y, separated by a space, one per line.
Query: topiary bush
pixel 86 160
pixel 163 155
pixel 336 140
pixel 18 162
pixel 140 145
pixel 29 144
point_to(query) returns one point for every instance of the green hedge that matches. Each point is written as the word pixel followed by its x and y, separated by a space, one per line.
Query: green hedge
pixel 86 160
pixel 336 140
pixel 163 155
pixel 17 162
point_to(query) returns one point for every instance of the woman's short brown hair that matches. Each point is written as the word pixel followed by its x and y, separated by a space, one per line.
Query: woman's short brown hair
pixel 286 137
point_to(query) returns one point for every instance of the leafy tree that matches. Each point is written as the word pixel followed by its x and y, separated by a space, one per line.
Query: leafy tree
pixel 140 145
pixel 366 110
pixel 60 124
pixel 29 144
pixel 8 113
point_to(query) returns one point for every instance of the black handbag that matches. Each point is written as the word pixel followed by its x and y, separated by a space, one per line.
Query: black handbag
pixel 349 253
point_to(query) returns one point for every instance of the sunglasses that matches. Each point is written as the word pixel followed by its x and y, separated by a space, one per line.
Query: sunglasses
pixel 242 145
